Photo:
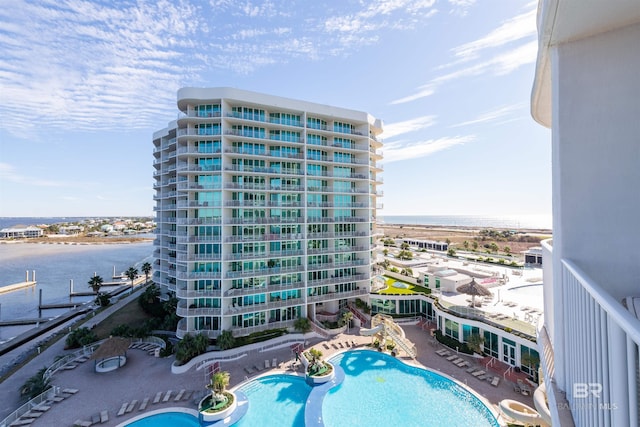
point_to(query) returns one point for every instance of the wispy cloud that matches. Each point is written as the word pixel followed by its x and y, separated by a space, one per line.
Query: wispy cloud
pixel 396 151
pixel 392 130
pixel 9 174
pixel 494 115
pixel 87 65
pixel 517 35
pixel 516 28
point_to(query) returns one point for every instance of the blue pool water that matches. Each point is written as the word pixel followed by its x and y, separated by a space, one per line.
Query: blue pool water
pixel 275 401
pixel 379 390
pixel 167 419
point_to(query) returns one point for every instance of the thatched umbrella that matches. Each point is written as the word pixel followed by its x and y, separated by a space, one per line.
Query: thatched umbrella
pixel 113 346
pixel 472 288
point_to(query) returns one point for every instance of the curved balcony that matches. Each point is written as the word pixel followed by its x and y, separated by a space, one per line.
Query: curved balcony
pixel 183 330
pixel 272 254
pixel 338 280
pixel 264 237
pixel 235 292
pixel 199 221
pixel 183 292
pixel 337 295
pixel 193 275
pixel 332 265
pixel 256 220
pixel 198 239
pixel 263 272
pixel 183 310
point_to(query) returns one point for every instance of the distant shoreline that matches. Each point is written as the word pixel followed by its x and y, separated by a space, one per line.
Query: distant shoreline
pixel 77 241
pixel 469 228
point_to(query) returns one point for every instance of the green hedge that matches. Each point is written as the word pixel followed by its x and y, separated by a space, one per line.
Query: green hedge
pixel 453 343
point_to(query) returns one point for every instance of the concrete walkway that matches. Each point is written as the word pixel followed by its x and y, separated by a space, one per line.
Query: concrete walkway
pixel 10 387
pixel 145 377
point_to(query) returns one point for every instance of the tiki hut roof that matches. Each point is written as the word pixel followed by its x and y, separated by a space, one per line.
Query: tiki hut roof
pixel 474 289
pixel 113 346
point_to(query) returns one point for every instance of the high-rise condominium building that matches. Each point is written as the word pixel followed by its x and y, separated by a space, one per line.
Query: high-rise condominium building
pixel 587 91
pixel 265 207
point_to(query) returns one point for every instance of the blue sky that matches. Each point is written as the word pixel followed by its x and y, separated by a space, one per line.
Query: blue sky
pixel 84 84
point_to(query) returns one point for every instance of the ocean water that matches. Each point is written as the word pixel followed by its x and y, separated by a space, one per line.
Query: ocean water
pixel 56 265
pixel 515 222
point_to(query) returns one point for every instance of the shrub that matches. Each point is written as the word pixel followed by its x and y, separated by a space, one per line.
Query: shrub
pixel 452 343
pixel 35 385
pixel 80 337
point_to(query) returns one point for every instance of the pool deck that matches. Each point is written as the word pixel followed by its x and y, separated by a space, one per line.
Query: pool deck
pixel 145 377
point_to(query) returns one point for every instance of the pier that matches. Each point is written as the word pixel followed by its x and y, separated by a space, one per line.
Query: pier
pixel 17 286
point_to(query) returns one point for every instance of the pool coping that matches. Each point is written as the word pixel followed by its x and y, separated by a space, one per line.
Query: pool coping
pixel 313 406
pixel 156 412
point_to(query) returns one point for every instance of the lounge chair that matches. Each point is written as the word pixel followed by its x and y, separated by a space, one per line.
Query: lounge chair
pixel 495 381
pixel 274 363
pixel 248 370
pixel 450 358
pixel 157 398
pixel 167 396
pixel 266 364
pixel 516 388
pixel 482 377
pixel 478 373
pixel 104 417
pixel 326 347
pixel 79 423
pixel 462 364
pixel 353 343
pixel 179 395
pixel 122 409
pixel 70 390
pixel 456 360
pixel 131 406
pixel 471 369
pixel 22 422
pixel 95 419
pixel 144 404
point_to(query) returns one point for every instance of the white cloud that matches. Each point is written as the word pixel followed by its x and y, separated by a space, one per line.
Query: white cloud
pixel 516 28
pixel 395 151
pixel 394 129
pixel 494 115
pixel 9 174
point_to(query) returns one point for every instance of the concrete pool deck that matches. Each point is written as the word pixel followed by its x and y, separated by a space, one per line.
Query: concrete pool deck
pixel 146 377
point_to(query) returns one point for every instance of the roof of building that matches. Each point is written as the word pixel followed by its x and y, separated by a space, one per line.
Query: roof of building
pixel 562 21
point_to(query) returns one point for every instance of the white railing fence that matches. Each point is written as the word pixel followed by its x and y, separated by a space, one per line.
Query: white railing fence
pixel 601 353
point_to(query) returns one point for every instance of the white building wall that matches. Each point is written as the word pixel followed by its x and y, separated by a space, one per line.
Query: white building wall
pixel 596 157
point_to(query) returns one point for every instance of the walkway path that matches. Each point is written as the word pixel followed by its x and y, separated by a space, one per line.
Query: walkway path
pixel 144 377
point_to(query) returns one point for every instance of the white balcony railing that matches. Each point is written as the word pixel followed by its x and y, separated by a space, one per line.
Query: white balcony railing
pixel 601 353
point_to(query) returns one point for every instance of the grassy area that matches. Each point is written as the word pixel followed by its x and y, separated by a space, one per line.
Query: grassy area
pixel 131 314
pixel 409 290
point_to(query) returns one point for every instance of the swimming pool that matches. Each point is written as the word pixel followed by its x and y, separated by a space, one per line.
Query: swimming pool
pixel 275 401
pixel 377 390
pixel 167 419
pixel 381 390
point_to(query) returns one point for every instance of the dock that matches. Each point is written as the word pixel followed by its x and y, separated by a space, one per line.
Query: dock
pixel 16 287
pixel 18 322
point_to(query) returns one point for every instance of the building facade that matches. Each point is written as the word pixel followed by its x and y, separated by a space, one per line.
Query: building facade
pixel 265 209
pixel 586 90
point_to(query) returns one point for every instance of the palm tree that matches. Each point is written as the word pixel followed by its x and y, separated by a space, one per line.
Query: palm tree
pixel 200 343
pixel 218 384
pixel 146 269
pixel 475 342
pixel 302 324
pixel 95 284
pixel 35 385
pixel 225 340
pixel 346 318
pixel 131 274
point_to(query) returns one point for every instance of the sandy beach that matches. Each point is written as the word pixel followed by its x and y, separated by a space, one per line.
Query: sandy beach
pixel 521 240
